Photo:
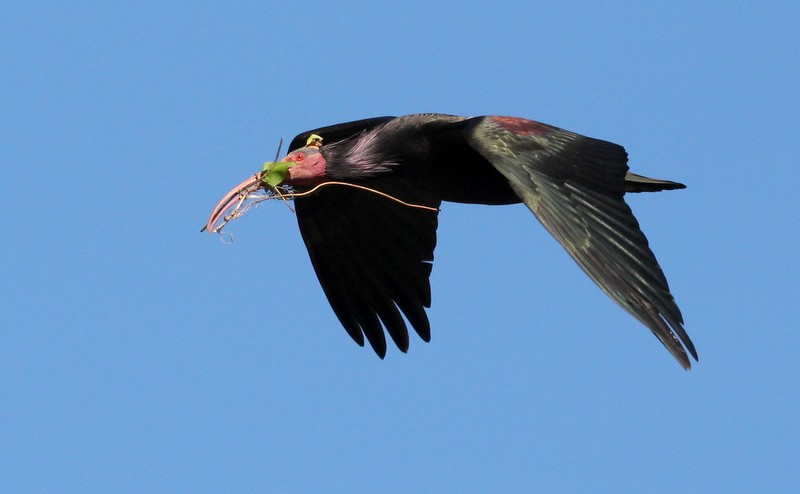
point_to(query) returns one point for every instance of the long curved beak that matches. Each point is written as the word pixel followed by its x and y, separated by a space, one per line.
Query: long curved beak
pixel 231 200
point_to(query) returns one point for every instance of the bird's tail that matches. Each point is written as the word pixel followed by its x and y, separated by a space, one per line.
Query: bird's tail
pixel 639 183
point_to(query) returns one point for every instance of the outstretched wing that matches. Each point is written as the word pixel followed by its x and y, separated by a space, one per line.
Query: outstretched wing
pixel 575 187
pixel 373 258
pixel 372 255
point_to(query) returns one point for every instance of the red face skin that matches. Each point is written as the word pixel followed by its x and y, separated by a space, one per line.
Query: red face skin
pixel 309 170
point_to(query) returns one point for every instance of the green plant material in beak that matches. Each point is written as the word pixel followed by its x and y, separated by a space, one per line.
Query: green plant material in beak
pixel 274 172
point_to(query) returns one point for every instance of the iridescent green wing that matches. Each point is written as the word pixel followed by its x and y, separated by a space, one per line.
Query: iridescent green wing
pixel 574 185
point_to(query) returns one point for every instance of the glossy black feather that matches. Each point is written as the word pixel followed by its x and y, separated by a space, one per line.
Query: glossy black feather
pixel 575 186
pixel 373 256
pixel 338 132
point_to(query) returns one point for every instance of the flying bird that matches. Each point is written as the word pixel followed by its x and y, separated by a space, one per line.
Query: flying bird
pixel 367 195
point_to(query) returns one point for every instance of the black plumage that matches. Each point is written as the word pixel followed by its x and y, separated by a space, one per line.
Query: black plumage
pixel 373 256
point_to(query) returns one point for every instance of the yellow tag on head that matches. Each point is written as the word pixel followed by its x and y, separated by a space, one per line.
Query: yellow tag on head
pixel 314 141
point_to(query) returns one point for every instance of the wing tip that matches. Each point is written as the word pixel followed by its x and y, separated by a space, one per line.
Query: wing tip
pixel 678 346
pixel 380 352
pixel 683 359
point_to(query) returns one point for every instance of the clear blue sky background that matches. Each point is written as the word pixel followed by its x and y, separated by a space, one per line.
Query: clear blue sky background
pixel 137 355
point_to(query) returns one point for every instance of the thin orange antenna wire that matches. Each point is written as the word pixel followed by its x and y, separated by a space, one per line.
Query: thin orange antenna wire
pixel 243 206
pixel 361 187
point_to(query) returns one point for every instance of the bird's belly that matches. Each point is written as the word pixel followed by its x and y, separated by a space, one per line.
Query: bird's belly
pixel 484 197
pixel 488 187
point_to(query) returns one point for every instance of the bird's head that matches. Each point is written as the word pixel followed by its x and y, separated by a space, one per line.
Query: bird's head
pixel 302 167
pixel 305 166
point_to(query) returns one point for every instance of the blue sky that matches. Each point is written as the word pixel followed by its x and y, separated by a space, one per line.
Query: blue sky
pixel 138 355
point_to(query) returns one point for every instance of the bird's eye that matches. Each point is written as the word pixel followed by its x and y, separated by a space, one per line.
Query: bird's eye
pixel 299 157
